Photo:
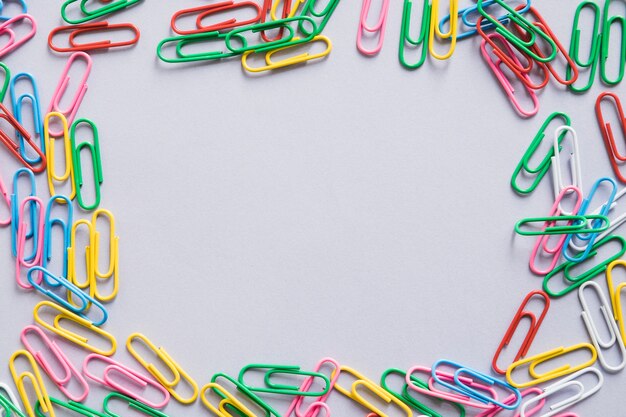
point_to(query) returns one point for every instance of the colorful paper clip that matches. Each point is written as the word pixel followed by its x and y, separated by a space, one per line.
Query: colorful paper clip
pixel 78 322
pixel 573 224
pixel 492 412
pixel 318 403
pixel 566 383
pixel 294 60
pixel 112 269
pixel 557 174
pixel 607 23
pixel 22 4
pixel 181 41
pixel 68 173
pixel 62 363
pixel 35 381
pixel 6 198
pixel 17 103
pixel 115 371
pixel 71 406
pixel 502 78
pixel 96 162
pixel 206 11
pixel 237 42
pixel 594 51
pixel 615 293
pixel 273 388
pixel 291 8
pixel 15 205
pixel 172 366
pixel 615 339
pixel 38 228
pixel 535 323
pixel 324 15
pixel 251 397
pixel 14 148
pixel 89 28
pixel 407 42
pixel 451 34
pixel 608 135
pixel 558 372
pixel 5 28
pixel 70 111
pixel 130 403
pixel 9 402
pixel 103 10
pixel 378 28
pixel 65 226
pixel 5 83
pixel 227 400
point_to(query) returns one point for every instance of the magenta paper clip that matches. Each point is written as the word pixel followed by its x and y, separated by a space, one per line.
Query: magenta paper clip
pixel 5 29
pixel 379 27
pixel 20 259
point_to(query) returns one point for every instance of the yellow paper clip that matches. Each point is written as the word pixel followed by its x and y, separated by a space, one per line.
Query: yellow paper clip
pixel 68 174
pixel 293 8
pixel 175 369
pixel 536 360
pixel 434 29
pixel 298 59
pixel 111 272
pixel 82 341
pixel 377 391
pixel 615 296
pixel 228 399
pixel 35 381
pixel 72 275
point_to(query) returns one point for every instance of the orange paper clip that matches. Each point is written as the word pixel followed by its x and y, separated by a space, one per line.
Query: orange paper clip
pixel 14 147
pixel 608 136
pixel 77 30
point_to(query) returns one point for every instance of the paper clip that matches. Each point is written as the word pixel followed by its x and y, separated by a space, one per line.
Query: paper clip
pixel 615 157
pixel 87 28
pixel 537 360
pixel 434 29
pixel 96 162
pixel 577 281
pixel 17 104
pixel 375 390
pixel 12 44
pixel 273 388
pixel 60 91
pixel 236 41
pixel 557 174
pixel 14 148
pixel 85 299
pixel 407 398
pixel 590 237
pixel 431 391
pixel 172 366
pixel 298 59
pixel 574 224
pixel 511 398
pixel 287 5
pixel 9 402
pixel 615 338
pixel 207 10
pixel 542 242
pixel 15 202
pixel 68 174
pixel 22 5
pixel 5 83
pixel 182 41
pixel 504 81
pixel 319 402
pixel 131 403
pixel 112 269
pixel 405 34
pixel 378 27
pixel 62 361
pixel 72 275
pixel 516 17
pixel 594 51
pixel 35 381
pixel 38 228
pixel 73 406
pixel 103 10
pixel 324 14
pixel 535 323
pixel 109 380
pixel 66 229
pixel 82 341
pixel 563 384
pixel 607 23
pixel 227 398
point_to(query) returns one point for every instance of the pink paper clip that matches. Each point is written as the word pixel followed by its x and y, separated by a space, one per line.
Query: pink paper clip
pixel 542 241
pixel 457 398
pixel 7 199
pixel 63 362
pixel 70 112
pixel 504 81
pixel 378 27
pixel 320 402
pixel 511 399
pixel 132 376
pixel 5 28
pixel 37 240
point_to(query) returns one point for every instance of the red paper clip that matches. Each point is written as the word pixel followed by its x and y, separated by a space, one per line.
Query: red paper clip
pixel 205 11
pixel 532 331
pixel 77 30
pixel 608 136
pixel 14 148
pixel 5 28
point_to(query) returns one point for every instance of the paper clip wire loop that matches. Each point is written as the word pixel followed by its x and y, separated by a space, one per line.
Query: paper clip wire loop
pixel 435 30
pixel 131 403
pixel 13 44
pixel 14 148
pixel 68 173
pixel 615 157
pixel 88 28
pixel 96 162
pixel 378 27
pixel 414 43
pixel 35 381
pixel 594 51
pixel 607 23
pixel 18 103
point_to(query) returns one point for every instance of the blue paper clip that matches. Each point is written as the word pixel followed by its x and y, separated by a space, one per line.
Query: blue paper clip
pixel 590 238
pixel 4 18
pixel 66 228
pixel 15 205
pixel 85 299
pixel 17 104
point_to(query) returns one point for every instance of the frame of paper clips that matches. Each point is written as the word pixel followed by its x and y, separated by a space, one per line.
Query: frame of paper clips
pixel 531 191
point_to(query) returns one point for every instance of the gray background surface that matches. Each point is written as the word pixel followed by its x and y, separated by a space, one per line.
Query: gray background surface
pixel 346 208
